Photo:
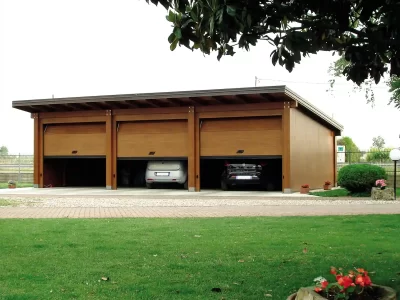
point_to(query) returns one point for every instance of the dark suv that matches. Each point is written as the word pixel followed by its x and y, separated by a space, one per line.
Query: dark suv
pixel 242 174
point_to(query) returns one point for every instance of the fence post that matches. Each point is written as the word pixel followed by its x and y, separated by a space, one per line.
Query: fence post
pixel 19 167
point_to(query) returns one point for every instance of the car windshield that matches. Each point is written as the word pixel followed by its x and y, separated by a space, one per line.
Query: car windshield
pixel 164 166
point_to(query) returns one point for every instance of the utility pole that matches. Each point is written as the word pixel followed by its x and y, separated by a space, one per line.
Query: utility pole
pixel 255 82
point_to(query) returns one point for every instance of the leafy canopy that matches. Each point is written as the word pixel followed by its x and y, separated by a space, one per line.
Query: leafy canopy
pixel 365 32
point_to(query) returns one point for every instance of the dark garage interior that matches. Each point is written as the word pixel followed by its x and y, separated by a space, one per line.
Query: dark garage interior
pixel 74 172
pixel 131 173
pixel 212 168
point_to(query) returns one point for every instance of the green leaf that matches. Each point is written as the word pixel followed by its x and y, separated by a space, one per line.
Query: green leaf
pixel 171 16
pixel 284 22
pixel 178 33
pixel 173 45
pixel 231 10
pixel 171 37
pixel 276 40
pixel 187 22
pixel 275 58
pixel 297 56
pixel 212 26
pixel 249 20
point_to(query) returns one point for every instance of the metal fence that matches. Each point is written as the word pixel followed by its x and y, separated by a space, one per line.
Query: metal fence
pixel 378 158
pixel 16 167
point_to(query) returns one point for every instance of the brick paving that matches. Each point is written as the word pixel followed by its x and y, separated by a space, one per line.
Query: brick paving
pixel 189 212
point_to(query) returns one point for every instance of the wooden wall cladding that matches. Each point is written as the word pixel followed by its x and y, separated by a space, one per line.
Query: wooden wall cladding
pixel 311 152
pixel 86 139
pixel 159 138
pixel 256 136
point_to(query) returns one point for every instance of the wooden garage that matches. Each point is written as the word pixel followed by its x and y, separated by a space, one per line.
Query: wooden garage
pixel 231 137
pixel 152 139
pixel 85 139
pixel 270 122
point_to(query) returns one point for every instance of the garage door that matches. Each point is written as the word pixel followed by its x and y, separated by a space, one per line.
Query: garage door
pixel 75 139
pixel 152 139
pixel 241 137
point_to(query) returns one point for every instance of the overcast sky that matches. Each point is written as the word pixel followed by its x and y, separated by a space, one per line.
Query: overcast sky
pixel 94 47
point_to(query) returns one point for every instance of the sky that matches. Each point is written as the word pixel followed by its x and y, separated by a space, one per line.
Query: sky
pixel 95 47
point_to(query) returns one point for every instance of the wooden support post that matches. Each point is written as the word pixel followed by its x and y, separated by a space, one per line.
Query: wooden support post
pixel 114 153
pixel 286 182
pixel 36 167
pixel 41 152
pixel 334 183
pixel 109 150
pixel 197 140
pixel 191 150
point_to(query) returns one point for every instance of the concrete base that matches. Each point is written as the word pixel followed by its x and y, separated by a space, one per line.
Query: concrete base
pixel 192 189
pixel 108 187
pixel 35 185
pixel 287 191
pixel 386 194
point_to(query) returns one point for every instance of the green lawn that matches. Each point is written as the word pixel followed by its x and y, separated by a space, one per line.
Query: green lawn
pixel 4 185
pixel 247 258
pixel 343 193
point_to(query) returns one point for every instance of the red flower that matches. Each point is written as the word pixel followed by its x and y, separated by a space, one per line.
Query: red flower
pixel 367 280
pixel 345 281
pixel 324 284
pixel 333 270
pixel 317 289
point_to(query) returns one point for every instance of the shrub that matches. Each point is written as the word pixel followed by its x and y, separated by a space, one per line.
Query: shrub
pixel 360 177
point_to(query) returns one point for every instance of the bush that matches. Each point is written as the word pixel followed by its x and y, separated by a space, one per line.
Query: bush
pixel 360 177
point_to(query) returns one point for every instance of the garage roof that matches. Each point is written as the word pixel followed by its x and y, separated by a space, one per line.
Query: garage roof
pixel 175 99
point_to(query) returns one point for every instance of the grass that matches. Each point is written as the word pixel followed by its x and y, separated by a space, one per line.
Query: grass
pixel 5 202
pixel 4 185
pixel 246 258
pixel 343 193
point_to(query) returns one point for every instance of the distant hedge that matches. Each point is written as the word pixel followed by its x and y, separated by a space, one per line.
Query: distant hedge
pixel 360 177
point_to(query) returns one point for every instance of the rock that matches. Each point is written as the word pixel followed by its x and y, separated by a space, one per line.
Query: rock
pixel 386 194
pixel 308 294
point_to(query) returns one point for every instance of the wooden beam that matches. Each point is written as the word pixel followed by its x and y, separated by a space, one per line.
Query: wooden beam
pixel 286 171
pixel 40 154
pixel 150 111
pixel 152 117
pixel 109 150
pixel 114 153
pixel 130 104
pixel 95 119
pixel 68 114
pixel 240 114
pixel 152 104
pixel 36 150
pixel 191 149
pixel 197 141
pixel 334 183
pixel 240 107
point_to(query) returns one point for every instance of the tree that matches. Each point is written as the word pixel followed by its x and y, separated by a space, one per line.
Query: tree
pixel 393 82
pixel 378 155
pixel 364 31
pixel 3 150
pixel 378 142
pixel 353 153
pixel 394 88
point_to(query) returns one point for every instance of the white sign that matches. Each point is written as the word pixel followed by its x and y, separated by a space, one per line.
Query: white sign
pixel 341 154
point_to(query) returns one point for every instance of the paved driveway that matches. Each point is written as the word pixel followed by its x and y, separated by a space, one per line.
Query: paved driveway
pixel 101 203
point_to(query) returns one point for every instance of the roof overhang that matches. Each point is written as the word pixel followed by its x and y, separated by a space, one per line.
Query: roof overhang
pixel 177 99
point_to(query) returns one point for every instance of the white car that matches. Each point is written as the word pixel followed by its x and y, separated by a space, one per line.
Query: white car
pixel 166 172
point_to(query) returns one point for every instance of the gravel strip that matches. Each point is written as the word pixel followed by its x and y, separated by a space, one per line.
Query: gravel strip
pixel 179 201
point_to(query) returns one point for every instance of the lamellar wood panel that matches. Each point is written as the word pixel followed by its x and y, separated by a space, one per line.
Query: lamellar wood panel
pixel 87 139
pixel 255 136
pixel 162 138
